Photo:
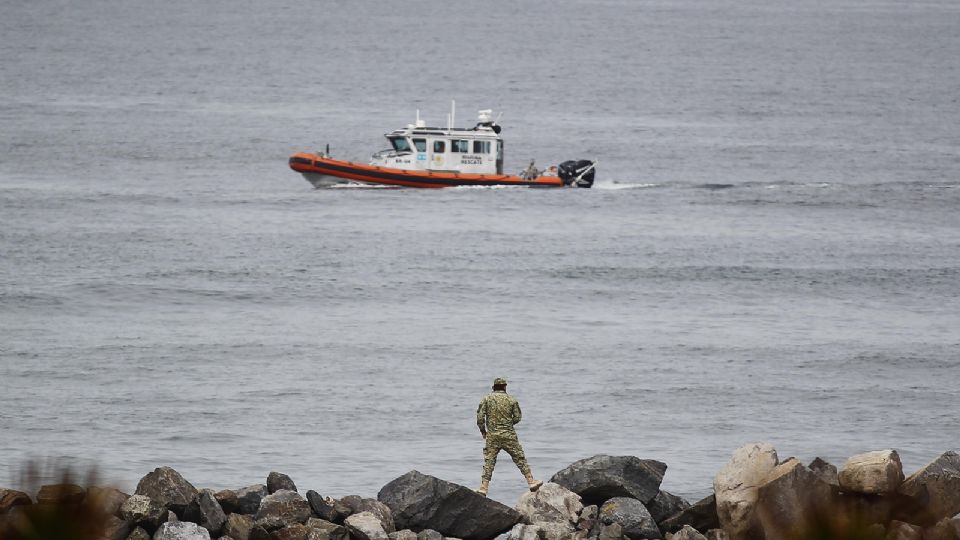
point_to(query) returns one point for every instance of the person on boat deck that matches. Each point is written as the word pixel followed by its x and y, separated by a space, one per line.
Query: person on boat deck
pixel 497 414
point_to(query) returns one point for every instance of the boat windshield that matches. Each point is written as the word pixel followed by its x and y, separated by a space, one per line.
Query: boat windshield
pixel 400 144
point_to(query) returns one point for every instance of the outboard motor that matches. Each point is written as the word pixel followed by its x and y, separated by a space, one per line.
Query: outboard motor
pixel 577 173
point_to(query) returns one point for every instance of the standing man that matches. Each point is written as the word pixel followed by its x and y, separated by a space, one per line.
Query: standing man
pixel 496 416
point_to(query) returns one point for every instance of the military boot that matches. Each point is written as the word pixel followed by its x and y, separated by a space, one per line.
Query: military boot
pixel 484 487
pixel 533 482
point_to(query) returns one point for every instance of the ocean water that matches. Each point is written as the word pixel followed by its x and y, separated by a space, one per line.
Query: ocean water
pixel 771 252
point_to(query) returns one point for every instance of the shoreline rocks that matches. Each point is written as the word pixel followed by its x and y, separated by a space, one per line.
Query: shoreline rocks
pixel 598 498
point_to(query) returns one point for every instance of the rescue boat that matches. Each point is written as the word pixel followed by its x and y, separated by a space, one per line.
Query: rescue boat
pixel 431 157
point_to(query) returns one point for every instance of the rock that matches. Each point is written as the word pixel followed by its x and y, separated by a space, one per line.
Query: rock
pixel 541 531
pixel 603 477
pixel 11 497
pixel 168 488
pixel 826 471
pixel 277 481
pixel 384 514
pixel 551 503
pixel 225 538
pixel 181 530
pixel 735 487
pixel 281 509
pixel 632 515
pixel 429 534
pixel 139 533
pixel 365 526
pixel 717 534
pixel 61 493
pixel 858 508
pixel 228 501
pixel 115 528
pixel 791 501
pixel 898 530
pixel 291 532
pixel 108 499
pixel 934 489
pixel 588 517
pixel 872 473
pixel 332 531
pixel 237 526
pixel 665 505
pixel 143 511
pixel 686 533
pixel 420 501
pixel 945 529
pixel 613 531
pixel 172 517
pixel 242 501
pixel 524 531
pixel 259 533
pixel 702 516
pixel 405 534
pixel 321 508
pixel 206 512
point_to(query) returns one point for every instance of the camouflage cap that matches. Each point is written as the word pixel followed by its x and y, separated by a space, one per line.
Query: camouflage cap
pixel 499 381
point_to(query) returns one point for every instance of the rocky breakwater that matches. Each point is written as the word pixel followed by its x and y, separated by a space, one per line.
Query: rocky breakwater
pixel 756 496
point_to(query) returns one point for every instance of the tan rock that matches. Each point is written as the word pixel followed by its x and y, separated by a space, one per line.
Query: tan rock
pixel 945 529
pixel 873 473
pixel 551 503
pixel 686 533
pixel 736 486
pixel 791 500
pixel 935 489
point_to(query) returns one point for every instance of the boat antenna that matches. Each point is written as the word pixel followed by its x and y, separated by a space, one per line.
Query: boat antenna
pixel 453 113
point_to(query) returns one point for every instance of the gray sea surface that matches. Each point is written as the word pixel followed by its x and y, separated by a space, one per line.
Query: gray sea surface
pixel 771 252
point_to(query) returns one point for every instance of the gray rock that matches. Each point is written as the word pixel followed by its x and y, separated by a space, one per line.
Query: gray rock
pixel 429 534
pixel 702 516
pixel 237 526
pixel 321 508
pixel 11 497
pixel 281 509
pixel 613 531
pixel 168 488
pixel 551 503
pixel 666 504
pixel 603 477
pixel 405 534
pixel 717 534
pixel 277 481
pixel 792 501
pixel 242 501
pixel 206 512
pixel 365 526
pixel 330 530
pixel 225 538
pixel 420 501
pixel 686 533
pixel 541 531
pixel 359 504
pixel 259 533
pixel 872 473
pixel 181 530
pixel 735 487
pixel 172 517
pixel 898 530
pixel 143 511
pixel 632 515
pixel 291 532
pixel 138 533
pixel 115 528
pixel 826 471
pixel 61 493
pixel 934 490
pixel 588 517
pixel 108 499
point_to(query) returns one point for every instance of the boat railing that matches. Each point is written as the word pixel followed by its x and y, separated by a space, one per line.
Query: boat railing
pixel 390 153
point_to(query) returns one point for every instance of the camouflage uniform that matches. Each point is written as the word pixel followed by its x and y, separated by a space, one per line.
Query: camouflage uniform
pixel 496 415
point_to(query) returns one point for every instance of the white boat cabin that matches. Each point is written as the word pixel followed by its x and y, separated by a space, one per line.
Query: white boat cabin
pixel 461 150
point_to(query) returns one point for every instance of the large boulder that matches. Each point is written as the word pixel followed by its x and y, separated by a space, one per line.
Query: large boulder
pixel 825 470
pixel 11 497
pixel 277 481
pixel 359 504
pixel 541 531
pixel 107 499
pixel 281 509
pixel 238 526
pixel 181 530
pixel 321 507
pixel 603 477
pixel 551 503
pixel 419 501
pixel 632 515
pixel 143 511
pixel 206 512
pixel 330 531
pixel 791 501
pixel 61 494
pixel 686 533
pixel 365 526
pixel 872 473
pixel 666 504
pixel 935 489
pixel 167 487
pixel 701 515
pixel 735 487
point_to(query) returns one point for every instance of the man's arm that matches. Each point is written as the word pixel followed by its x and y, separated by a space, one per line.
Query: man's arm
pixel 481 418
pixel 517 415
